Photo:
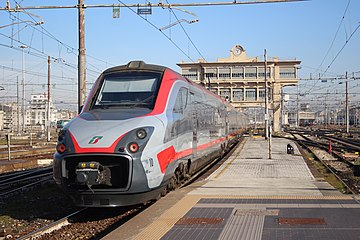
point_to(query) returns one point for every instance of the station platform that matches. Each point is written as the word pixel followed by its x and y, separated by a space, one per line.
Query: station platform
pixel 16 165
pixel 251 197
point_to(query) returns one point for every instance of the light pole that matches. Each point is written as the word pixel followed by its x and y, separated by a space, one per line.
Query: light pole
pixel 266 98
pixel 1 89
pixel 347 103
pixel 23 86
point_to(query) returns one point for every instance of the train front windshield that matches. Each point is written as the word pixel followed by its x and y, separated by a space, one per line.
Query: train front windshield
pixel 127 90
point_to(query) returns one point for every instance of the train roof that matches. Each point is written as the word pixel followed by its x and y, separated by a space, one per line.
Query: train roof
pixel 136 65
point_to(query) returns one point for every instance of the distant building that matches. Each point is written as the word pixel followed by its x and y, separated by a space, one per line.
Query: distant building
pixel 36 114
pixel 10 120
pixel 241 79
pixel 338 117
pixel 66 114
pixel 354 116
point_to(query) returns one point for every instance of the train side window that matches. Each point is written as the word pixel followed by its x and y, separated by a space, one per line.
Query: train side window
pixel 181 101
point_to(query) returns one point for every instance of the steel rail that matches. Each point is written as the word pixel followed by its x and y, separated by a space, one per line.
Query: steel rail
pixel 51 227
pixel 305 144
pixel 21 174
pixel 43 175
pixel 65 220
pixel 330 169
pixel 49 178
pixel 351 144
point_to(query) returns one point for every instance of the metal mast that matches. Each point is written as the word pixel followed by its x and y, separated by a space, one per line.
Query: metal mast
pixel 81 57
pixel 266 99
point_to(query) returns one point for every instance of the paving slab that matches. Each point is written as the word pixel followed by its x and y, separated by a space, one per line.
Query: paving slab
pixel 252 197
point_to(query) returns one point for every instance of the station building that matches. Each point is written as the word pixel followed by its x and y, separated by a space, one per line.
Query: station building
pixel 241 80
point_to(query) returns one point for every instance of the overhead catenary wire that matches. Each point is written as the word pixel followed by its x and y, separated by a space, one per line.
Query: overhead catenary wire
pixel 192 42
pixel 337 55
pixel 70 49
pixel 342 48
pixel 154 26
pixel 337 31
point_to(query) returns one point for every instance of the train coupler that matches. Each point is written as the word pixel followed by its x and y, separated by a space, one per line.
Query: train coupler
pixel 93 173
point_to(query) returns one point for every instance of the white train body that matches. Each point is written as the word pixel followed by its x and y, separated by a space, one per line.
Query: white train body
pixel 142 129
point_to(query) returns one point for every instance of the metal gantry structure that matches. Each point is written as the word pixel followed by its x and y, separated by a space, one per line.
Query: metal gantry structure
pixel 81 23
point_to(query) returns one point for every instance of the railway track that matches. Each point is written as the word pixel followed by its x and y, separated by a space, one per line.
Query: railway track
pixel 335 163
pixel 350 145
pixel 92 223
pixel 52 226
pixel 15 182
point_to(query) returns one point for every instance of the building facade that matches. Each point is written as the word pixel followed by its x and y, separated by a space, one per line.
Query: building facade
pixel 35 115
pixel 240 79
pixel 11 122
pixel 37 111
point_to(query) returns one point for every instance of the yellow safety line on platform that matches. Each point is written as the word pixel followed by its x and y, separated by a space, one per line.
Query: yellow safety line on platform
pixel 167 220
pixel 228 165
pixel 341 197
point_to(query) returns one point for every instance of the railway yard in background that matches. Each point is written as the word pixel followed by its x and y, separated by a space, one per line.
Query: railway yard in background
pixel 332 177
pixel 187 120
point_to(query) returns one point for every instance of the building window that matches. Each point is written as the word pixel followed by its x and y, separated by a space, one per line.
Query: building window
pixel 237 72
pixel 261 94
pixel 210 73
pixel 225 93
pixel 261 72
pixel 287 72
pixel 224 73
pixel 190 73
pixel 191 76
pixel 250 72
pixel 238 75
pixel 238 94
pixel 251 94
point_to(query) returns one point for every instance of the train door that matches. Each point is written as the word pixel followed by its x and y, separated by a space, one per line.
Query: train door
pixel 227 130
pixel 194 124
pixel 226 125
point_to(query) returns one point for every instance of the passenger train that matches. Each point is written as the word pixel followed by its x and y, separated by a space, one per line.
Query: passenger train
pixel 143 129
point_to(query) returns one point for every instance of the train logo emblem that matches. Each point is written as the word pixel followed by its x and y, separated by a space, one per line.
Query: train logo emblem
pixel 95 139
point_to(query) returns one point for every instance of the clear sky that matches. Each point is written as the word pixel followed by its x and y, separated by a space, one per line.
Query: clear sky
pixel 311 31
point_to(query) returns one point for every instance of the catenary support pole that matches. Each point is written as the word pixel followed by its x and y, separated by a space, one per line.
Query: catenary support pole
pixel 266 98
pixel 81 56
pixel 347 103
pixel 48 104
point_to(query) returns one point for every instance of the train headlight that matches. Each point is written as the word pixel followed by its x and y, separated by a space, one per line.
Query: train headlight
pixel 133 147
pixel 141 133
pixel 61 148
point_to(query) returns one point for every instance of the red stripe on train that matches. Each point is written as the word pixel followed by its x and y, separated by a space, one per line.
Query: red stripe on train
pixel 169 154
